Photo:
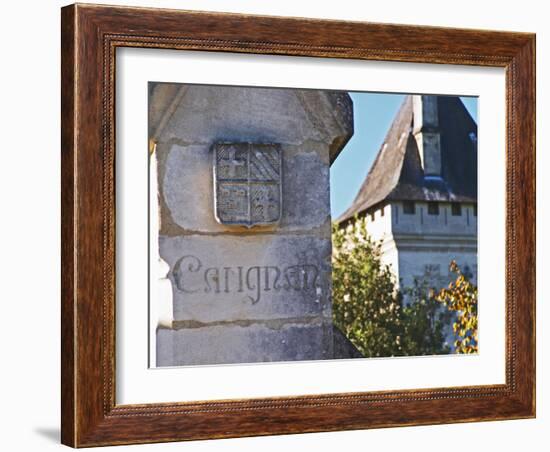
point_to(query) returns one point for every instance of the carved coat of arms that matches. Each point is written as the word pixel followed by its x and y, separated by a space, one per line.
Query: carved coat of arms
pixel 247 183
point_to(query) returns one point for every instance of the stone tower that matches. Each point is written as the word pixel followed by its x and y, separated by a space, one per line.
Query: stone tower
pixel 420 196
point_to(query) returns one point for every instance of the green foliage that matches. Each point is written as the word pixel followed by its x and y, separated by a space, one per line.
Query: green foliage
pixel 424 322
pixel 369 309
pixel 366 306
pixel 461 297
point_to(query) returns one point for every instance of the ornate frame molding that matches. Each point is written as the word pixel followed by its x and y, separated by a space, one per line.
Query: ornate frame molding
pixel 90 36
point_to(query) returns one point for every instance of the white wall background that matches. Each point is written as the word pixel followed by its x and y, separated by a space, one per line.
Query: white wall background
pixel 29 238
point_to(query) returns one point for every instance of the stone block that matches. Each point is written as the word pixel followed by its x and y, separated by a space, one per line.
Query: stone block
pixel 208 113
pixel 245 342
pixel 186 190
pixel 267 276
pixel 250 277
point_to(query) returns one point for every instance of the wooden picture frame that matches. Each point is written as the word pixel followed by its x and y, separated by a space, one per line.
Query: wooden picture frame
pixel 90 36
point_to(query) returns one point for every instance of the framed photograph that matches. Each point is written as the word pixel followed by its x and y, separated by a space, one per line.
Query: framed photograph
pixel 281 225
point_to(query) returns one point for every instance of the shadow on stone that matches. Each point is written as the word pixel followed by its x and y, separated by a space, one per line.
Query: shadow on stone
pixel 343 347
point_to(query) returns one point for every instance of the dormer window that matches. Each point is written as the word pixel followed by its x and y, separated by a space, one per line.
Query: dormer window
pixel 433 208
pixel 456 209
pixel 408 207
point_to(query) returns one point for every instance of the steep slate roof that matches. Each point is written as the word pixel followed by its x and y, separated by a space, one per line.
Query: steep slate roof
pixel 397 174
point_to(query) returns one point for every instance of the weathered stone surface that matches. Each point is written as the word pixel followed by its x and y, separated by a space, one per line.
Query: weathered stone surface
pixel 188 190
pixel 226 278
pixel 244 343
pixel 250 270
pixel 208 113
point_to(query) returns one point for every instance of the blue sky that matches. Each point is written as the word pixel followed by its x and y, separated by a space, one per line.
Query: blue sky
pixel 373 114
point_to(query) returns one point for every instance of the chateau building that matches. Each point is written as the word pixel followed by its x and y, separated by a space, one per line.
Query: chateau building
pixel 420 196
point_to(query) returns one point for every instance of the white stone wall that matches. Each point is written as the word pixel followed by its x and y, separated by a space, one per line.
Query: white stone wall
pixel 422 245
pixel 430 261
pixel 421 223
pixel 379 226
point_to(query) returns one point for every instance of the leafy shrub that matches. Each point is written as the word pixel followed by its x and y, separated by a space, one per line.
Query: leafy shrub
pixel 461 297
pixel 382 321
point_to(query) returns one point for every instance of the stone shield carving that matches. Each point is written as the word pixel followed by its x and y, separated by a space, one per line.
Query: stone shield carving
pixel 247 183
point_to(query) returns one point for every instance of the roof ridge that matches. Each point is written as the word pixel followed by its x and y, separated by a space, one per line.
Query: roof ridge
pixel 397 174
